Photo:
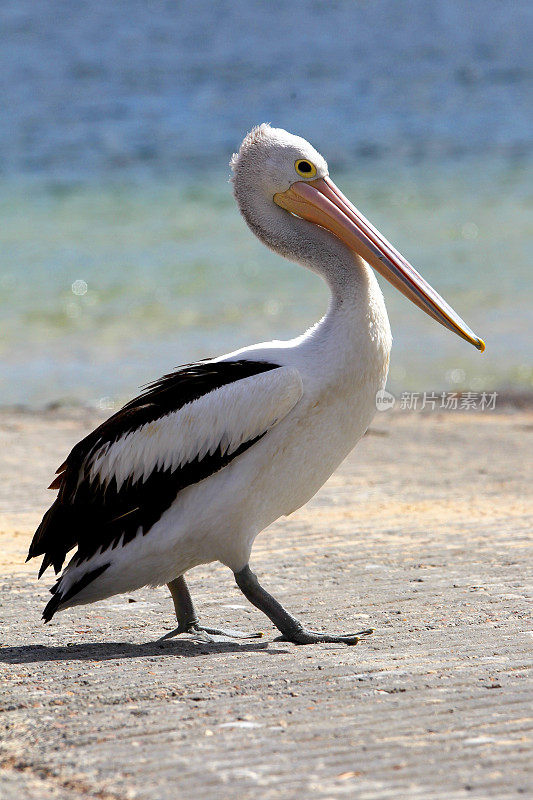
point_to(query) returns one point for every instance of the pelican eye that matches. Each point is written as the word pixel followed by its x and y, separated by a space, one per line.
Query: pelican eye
pixel 304 168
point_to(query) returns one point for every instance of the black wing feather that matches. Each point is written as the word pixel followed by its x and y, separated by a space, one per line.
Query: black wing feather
pixel 95 518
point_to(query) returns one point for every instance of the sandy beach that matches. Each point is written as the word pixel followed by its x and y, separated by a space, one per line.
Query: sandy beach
pixel 422 534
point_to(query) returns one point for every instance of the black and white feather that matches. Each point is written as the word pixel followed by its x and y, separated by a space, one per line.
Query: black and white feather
pixel 195 468
pixel 118 481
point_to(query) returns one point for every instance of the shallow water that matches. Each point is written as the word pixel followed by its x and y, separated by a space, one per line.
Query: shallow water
pixel 121 251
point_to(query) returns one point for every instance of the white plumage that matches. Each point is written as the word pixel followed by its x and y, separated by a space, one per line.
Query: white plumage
pixel 224 418
pixel 192 470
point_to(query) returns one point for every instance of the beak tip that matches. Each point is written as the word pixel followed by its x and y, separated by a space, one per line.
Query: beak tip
pixel 480 345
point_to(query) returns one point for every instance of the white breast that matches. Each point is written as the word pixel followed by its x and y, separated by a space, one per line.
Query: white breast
pixel 342 363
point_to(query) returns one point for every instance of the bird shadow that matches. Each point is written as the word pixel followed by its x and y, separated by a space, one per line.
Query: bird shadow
pixel 107 651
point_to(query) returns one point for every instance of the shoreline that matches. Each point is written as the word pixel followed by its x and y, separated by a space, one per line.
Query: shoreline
pixel 507 399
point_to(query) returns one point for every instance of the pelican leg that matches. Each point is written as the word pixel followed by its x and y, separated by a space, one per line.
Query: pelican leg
pixel 291 629
pixel 188 621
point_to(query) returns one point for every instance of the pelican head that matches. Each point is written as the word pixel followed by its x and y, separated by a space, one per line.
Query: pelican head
pixel 286 196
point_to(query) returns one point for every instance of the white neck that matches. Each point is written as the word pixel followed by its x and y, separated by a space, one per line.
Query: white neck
pixel 354 334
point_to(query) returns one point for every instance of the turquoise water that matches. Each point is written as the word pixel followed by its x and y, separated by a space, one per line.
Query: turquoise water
pixel 122 253
pixel 173 274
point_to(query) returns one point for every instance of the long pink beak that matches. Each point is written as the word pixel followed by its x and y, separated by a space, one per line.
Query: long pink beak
pixel 321 202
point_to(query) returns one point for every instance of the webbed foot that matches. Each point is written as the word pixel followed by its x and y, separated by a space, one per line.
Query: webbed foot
pixel 205 633
pixel 304 636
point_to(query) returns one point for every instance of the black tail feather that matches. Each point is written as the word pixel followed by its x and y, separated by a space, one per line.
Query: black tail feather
pixel 59 599
pixel 54 537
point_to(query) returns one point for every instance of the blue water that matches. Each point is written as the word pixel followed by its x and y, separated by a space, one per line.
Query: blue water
pixel 118 120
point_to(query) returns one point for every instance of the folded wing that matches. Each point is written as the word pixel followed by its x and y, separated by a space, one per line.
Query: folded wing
pixel 119 480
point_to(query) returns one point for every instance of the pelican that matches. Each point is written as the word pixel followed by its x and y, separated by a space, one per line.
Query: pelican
pixel 195 467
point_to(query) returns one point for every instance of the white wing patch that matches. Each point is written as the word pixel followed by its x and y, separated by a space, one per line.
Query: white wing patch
pixel 226 417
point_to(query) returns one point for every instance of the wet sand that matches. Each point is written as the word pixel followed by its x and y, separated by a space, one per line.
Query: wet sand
pixel 422 534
